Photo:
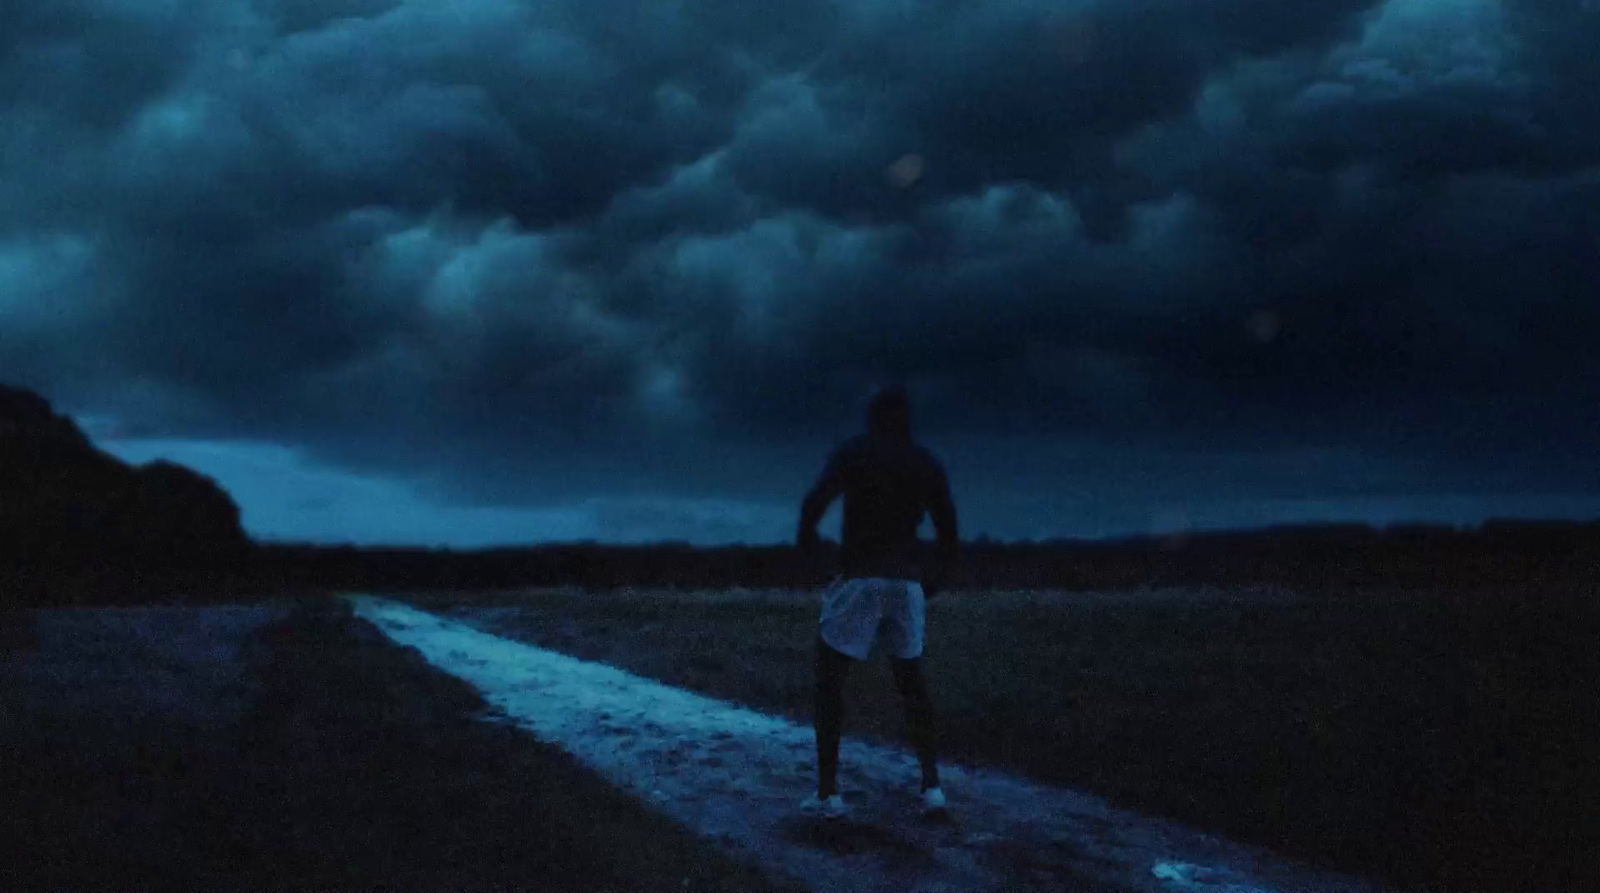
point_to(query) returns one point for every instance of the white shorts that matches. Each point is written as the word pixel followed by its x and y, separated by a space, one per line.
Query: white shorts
pixel 856 609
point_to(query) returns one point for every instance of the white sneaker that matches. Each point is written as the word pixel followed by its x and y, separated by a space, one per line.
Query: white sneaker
pixel 933 802
pixel 831 808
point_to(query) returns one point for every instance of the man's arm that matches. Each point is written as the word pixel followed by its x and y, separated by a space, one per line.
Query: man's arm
pixel 822 494
pixel 942 511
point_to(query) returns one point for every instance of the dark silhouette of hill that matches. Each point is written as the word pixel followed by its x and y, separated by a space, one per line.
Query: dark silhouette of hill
pixel 78 525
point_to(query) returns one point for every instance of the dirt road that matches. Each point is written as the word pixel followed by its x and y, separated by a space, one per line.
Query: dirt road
pixel 733 775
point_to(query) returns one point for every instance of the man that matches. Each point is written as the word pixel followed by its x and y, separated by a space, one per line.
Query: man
pixel 888 481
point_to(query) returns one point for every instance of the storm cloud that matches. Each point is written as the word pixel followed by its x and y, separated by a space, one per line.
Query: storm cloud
pixel 1134 257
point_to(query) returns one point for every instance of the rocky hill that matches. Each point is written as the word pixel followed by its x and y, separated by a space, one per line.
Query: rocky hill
pixel 80 525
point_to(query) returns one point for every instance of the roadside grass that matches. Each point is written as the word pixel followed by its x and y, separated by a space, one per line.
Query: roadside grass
pixel 1434 741
pixel 359 767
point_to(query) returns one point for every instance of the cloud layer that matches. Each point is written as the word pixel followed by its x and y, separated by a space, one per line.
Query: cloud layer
pixel 539 252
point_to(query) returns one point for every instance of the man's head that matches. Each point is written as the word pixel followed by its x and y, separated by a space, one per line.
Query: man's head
pixel 889 411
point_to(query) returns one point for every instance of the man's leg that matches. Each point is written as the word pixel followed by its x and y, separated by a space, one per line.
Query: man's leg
pixel 828 715
pixel 913 687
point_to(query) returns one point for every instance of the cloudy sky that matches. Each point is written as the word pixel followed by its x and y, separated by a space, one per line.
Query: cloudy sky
pixel 509 270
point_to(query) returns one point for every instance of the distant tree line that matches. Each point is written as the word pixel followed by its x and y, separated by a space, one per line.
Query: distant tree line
pixel 1498 555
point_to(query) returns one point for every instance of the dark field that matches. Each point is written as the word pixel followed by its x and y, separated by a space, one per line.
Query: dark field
pixel 356 767
pixel 1432 741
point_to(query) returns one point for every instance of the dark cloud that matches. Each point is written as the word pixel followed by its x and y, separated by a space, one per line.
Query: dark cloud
pixel 91 62
pixel 544 250
pixel 291 16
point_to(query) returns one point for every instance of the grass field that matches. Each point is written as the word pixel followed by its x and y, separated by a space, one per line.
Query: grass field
pixel 1433 741
pixel 355 766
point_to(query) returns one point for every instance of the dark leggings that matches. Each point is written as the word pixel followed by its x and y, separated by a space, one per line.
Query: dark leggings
pixel 833 668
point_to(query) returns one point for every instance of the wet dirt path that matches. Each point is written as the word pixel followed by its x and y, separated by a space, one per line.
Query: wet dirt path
pixel 734 775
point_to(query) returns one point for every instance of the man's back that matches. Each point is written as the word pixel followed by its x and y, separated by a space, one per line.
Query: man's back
pixel 887 487
pixel 888 482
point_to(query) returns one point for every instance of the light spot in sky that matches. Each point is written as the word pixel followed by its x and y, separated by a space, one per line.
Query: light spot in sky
pixel 665 398
pixel 907 171
pixel 1265 325
pixel 171 122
